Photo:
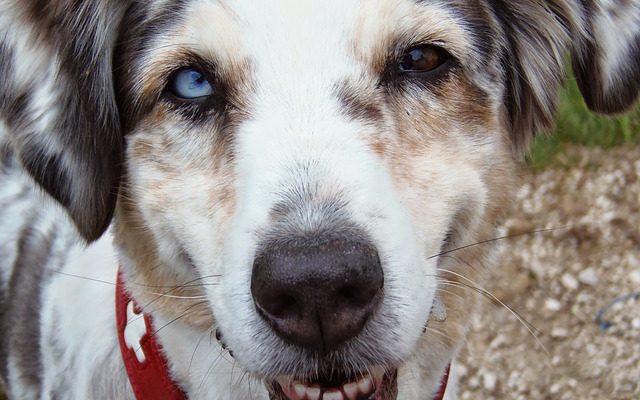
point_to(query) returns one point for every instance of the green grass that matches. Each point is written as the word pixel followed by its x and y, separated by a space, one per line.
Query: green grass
pixel 579 126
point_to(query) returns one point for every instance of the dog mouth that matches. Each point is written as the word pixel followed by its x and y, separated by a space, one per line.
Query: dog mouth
pixel 374 385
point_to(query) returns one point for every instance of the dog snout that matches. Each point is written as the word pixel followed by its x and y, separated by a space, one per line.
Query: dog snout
pixel 317 295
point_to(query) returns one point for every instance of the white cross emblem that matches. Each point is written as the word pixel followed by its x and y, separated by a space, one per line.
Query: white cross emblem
pixel 134 331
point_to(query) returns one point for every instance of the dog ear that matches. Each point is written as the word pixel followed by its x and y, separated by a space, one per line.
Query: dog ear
pixel 57 99
pixel 604 41
pixel 606 61
pixel 535 37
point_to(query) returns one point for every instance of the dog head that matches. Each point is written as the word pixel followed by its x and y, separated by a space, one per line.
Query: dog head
pixel 311 168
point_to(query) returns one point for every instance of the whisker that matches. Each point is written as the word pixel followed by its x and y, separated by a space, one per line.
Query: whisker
pixel 86 278
pixel 210 369
pixel 184 314
pixel 154 333
pixel 515 235
pixel 178 297
pixel 437 332
pixel 527 325
pixel 185 285
pixel 158 297
pixel 195 350
pixel 452 293
pixel 491 295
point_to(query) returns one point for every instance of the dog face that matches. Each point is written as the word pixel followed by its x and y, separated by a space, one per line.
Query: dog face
pixel 310 168
pixel 339 128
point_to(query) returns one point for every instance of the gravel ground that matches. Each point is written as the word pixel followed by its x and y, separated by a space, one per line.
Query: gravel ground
pixel 558 281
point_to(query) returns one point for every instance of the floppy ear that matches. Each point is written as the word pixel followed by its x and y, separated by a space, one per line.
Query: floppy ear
pixel 606 60
pixel 536 38
pixel 57 99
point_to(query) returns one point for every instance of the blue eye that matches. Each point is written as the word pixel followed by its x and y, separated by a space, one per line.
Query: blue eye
pixel 190 84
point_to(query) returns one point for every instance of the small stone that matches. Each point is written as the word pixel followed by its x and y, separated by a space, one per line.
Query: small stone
pixel 569 282
pixel 499 341
pixel 635 277
pixel 591 349
pixel 489 381
pixel 589 277
pixel 514 379
pixel 462 370
pixel 559 333
pixel 584 297
pixel 474 383
pixel 635 323
pixel 552 305
pixel 555 388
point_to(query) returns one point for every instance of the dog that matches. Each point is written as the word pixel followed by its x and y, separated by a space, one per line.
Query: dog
pixel 284 200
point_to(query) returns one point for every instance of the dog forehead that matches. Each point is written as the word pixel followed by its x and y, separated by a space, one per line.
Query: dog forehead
pixel 308 34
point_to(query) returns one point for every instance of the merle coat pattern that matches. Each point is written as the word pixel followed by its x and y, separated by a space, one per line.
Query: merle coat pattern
pixel 337 141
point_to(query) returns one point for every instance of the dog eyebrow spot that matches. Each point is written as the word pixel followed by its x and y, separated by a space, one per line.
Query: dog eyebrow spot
pixel 360 103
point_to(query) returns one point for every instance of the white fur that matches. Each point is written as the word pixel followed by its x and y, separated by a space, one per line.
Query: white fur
pixel 613 41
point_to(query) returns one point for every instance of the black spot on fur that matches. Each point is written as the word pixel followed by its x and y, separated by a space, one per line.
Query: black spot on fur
pixel 21 321
pixel 87 126
pixel 532 34
pixel 16 109
pixel 475 15
pixel 6 71
pixel 625 82
pixel 6 157
pixel 139 30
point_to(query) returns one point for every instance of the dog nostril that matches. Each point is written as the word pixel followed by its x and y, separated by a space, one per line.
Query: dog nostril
pixel 356 296
pixel 280 305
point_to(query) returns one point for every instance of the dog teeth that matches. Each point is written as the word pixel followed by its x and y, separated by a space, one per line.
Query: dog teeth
pixel 350 390
pixel 294 390
pixel 333 394
pixel 313 393
pixel 300 390
pixel 365 385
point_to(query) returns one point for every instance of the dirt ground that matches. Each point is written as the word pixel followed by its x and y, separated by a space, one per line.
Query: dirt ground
pixel 558 281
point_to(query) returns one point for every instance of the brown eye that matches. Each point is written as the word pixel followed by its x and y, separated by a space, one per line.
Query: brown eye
pixel 424 58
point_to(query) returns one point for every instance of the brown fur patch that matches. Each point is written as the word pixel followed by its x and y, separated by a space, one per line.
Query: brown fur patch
pixel 171 153
pixel 360 103
pixel 447 122
pixel 153 284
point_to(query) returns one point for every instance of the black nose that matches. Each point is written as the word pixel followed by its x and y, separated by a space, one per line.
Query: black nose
pixel 317 295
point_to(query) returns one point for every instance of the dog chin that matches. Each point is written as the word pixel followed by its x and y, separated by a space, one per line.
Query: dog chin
pixel 376 384
pixel 372 383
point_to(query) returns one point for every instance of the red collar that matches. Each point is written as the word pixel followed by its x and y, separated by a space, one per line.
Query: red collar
pixel 443 384
pixel 146 365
